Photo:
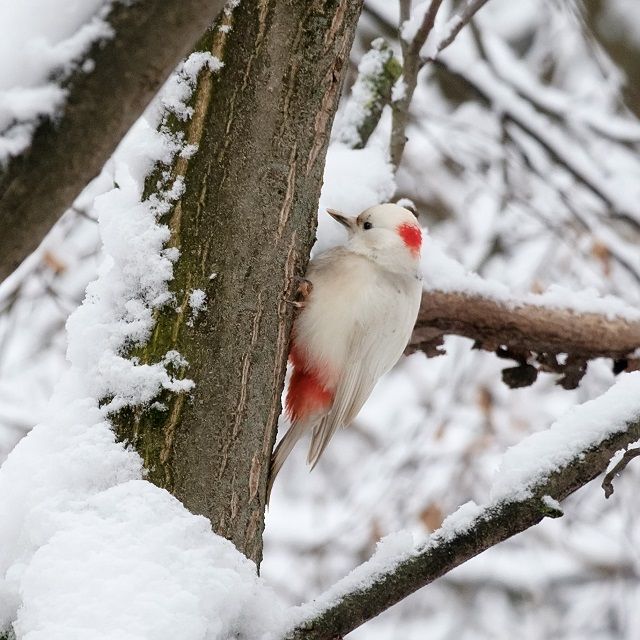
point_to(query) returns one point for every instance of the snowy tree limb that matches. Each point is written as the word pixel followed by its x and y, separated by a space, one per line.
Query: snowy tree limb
pixel 368 593
pixel 526 333
pixel 378 72
pixel 37 186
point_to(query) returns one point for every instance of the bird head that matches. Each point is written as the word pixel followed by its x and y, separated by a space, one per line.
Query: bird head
pixel 387 234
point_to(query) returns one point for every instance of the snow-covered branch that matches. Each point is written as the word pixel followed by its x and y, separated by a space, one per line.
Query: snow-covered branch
pixel 378 72
pixel 557 331
pixel 535 475
pixel 104 90
pixel 539 337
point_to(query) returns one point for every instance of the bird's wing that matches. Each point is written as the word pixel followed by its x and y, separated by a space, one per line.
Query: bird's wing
pixel 354 386
pixel 378 332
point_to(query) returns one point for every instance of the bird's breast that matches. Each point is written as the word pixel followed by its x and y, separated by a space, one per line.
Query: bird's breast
pixel 350 296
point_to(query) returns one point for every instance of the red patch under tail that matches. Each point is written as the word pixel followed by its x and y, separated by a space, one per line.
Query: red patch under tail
pixel 306 395
pixel 411 236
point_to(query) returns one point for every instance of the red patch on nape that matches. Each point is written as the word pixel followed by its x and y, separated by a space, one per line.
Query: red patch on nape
pixel 306 395
pixel 411 236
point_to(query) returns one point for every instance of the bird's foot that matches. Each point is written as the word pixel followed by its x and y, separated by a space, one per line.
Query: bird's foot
pixel 303 291
pixel 305 287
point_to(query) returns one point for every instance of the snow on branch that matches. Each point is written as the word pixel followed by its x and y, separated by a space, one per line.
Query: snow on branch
pixel 535 475
pixel 373 89
pixel 100 95
pixel 557 331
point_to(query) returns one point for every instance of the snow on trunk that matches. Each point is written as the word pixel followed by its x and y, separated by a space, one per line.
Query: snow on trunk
pixel 88 548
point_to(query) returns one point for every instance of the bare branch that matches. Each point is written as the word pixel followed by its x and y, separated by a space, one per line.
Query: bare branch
pixel 607 483
pixel 462 19
pixel 412 65
pixel 37 186
pixel 346 606
pixel 526 333
pixel 410 68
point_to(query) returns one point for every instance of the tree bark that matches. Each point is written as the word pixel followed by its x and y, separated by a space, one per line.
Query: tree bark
pixel 524 327
pixel 37 186
pixel 244 226
pixel 537 337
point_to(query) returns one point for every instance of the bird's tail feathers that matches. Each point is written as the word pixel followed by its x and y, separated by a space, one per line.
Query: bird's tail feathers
pixel 283 450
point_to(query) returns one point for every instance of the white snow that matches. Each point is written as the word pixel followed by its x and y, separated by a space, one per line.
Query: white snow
pixel 443 273
pixel 197 303
pixel 584 426
pixel 460 521
pixel 390 551
pixel 523 466
pixel 354 179
pixel 179 87
pixel 197 300
pixel 363 94
pixel 44 42
pixel 552 503
pixel 399 90
pixel 410 27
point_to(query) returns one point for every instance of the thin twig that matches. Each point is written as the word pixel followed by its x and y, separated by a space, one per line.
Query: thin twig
pixel 412 63
pixel 462 19
pixel 607 483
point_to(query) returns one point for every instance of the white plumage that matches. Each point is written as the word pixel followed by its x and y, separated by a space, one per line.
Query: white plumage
pixel 353 326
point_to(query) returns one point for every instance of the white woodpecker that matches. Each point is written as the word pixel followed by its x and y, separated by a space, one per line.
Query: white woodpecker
pixel 359 307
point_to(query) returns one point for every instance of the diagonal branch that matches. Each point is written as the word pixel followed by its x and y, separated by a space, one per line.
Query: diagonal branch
pixel 455 25
pixel 377 585
pixel 37 186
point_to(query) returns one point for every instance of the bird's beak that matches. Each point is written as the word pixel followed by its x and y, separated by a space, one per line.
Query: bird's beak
pixel 345 221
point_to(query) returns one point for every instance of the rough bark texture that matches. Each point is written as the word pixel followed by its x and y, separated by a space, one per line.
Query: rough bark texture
pixel 526 333
pixel 244 227
pixel 37 186
pixel 345 612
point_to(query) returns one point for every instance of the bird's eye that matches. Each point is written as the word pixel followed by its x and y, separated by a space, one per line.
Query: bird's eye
pixel 367 225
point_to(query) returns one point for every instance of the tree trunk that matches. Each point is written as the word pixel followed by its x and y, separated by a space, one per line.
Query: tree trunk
pixel 244 226
pixel 38 185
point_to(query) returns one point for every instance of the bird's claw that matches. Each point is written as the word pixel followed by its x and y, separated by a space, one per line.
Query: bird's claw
pixel 303 291
pixel 305 287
